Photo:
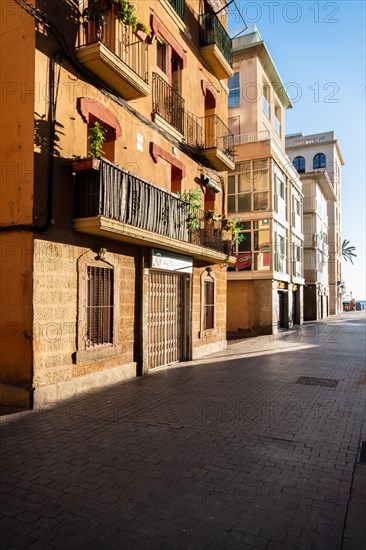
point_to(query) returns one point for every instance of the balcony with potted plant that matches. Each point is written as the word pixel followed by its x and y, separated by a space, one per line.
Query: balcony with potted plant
pixel 113 45
pixel 114 203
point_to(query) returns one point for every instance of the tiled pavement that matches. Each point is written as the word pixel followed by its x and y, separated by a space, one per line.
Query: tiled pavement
pixel 229 452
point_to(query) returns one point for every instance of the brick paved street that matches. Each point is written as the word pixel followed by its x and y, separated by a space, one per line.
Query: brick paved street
pixel 252 448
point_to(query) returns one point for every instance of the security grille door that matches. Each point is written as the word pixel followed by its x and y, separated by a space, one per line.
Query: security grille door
pixel 165 319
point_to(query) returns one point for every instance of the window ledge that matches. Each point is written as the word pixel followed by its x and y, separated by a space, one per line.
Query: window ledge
pixel 97 354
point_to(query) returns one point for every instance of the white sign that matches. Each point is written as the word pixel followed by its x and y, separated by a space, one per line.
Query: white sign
pixel 171 262
pixel 140 142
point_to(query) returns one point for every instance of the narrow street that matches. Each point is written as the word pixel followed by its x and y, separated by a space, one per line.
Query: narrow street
pixel 254 447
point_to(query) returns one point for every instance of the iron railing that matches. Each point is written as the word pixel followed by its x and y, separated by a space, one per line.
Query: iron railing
pixel 119 195
pixel 217 134
pixel 118 38
pixel 179 6
pixel 212 32
pixel 208 233
pixel 192 130
pixel 167 103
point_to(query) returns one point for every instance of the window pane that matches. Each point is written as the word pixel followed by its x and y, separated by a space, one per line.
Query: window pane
pixel 244 182
pixel 231 204
pixel 233 82
pixel 261 179
pixel 231 185
pixel 261 201
pixel 244 203
pixel 234 98
pixel 245 245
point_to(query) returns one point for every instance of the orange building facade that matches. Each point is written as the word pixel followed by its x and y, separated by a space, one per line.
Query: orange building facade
pixel 109 267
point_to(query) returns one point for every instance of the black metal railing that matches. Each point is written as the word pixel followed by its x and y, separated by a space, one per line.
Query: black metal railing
pixel 192 130
pixel 167 103
pixel 179 6
pixel 119 195
pixel 217 134
pixel 208 233
pixel 212 32
pixel 118 38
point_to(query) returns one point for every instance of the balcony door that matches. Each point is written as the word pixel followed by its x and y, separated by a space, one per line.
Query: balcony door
pixel 210 120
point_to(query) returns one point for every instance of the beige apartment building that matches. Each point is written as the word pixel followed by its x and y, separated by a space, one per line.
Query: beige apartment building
pixel 318 160
pixel 106 271
pixel 265 288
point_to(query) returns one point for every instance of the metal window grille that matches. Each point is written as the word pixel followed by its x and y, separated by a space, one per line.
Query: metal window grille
pixel 209 305
pixel 99 307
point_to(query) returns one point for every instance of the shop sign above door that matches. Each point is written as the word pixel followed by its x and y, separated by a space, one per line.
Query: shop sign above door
pixel 171 262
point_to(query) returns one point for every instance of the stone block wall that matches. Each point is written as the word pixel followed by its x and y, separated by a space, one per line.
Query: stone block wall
pixel 56 294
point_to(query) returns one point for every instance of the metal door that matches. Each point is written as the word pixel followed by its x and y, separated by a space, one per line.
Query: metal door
pixel 166 323
pixel 281 310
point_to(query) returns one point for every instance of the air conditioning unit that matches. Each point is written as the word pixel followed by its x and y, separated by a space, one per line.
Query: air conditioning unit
pixel 210 183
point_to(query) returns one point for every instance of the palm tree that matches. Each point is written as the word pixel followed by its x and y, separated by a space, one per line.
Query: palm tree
pixel 348 252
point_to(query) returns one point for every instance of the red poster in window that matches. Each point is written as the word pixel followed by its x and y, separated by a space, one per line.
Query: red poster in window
pixel 243 261
pixel 264 248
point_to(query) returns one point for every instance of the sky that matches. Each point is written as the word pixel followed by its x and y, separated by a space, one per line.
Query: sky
pixel 318 48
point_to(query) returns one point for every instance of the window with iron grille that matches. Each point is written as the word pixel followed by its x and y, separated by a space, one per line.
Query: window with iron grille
pixel 99 307
pixel 209 305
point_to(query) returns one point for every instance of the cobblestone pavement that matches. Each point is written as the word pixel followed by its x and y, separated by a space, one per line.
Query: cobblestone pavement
pixel 251 448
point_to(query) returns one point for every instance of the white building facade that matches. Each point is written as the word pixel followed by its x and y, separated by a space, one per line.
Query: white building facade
pixel 318 160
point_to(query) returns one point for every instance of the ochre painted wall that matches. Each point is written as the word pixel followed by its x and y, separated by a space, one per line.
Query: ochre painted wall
pixel 17 36
pixel 240 305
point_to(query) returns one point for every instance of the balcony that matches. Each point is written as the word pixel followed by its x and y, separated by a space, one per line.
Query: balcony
pixel 218 145
pixel 192 130
pixel 168 106
pixel 113 203
pixel 112 52
pixel 178 6
pixel 215 46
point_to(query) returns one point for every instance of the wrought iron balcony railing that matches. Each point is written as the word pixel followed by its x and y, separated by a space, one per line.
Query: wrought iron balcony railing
pixel 217 134
pixel 167 103
pixel 192 130
pixel 212 32
pixel 119 195
pixel 118 38
pixel 179 6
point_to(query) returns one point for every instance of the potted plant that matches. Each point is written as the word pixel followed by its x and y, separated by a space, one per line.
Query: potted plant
pixel 194 199
pixel 96 138
pixel 126 13
pixel 213 216
pixel 94 19
pixel 143 32
pixel 233 226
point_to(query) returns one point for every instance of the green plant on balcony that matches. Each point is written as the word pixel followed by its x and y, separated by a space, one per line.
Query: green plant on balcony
pixel 96 138
pixel 213 216
pixel 143 28
pixel 126 13
pixel 234 227
pixel 194 199
pixel 123 9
